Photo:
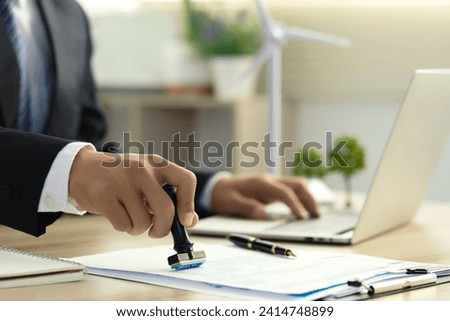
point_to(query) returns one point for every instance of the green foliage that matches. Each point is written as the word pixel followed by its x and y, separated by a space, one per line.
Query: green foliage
pixel 350 158
pixel 347 157
pixel 213 35
pixel 309 163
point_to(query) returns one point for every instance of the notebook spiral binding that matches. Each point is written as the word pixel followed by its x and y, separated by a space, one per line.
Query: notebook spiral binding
pixel 41 256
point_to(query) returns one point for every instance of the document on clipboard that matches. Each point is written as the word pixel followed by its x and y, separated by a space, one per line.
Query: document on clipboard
pixel 240 273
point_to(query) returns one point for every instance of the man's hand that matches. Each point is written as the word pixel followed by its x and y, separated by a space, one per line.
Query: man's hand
pixel 247 196
pixel 127 190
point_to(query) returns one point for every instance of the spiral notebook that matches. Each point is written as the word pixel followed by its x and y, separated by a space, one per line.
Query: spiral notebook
pixel 20 268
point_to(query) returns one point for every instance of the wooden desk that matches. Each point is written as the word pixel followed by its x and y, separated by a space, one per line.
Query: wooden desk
pixel 425 239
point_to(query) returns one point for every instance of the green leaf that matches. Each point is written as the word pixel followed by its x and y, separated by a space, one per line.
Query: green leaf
pixel 309 163
pixel 212 35
pixel 350 159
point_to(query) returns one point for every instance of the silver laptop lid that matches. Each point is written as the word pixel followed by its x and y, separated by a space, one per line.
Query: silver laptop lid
pixel 410 156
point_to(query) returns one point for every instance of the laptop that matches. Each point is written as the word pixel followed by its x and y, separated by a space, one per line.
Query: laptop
pixel 399 184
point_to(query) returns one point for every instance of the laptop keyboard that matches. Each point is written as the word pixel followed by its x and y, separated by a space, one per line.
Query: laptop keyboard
pixel 333 222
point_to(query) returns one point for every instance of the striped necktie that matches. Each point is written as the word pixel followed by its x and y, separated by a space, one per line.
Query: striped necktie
pixel 31 47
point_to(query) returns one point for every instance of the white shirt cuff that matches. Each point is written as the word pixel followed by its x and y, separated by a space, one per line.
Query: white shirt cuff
pixel 205 199
pixel 55 193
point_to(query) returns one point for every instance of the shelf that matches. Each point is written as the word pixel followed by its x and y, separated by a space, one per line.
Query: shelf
pixel 155 98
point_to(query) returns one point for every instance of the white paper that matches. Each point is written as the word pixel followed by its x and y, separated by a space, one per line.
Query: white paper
pixel 232 271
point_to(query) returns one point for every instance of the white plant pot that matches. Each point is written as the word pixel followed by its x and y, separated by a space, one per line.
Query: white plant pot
pixel 182 68
pixel 228 80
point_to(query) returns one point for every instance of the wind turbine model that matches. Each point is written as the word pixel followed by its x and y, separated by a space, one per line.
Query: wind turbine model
pixel 277 34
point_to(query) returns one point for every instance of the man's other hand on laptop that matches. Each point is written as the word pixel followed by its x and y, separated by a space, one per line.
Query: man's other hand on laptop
pixel 248 195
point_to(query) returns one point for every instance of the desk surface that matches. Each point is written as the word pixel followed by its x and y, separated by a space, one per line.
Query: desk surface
pixel 425 239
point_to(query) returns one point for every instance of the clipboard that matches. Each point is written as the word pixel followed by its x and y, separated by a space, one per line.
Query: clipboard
pixel 391 283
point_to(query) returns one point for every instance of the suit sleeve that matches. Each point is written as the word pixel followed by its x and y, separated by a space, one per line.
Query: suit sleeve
pixel 93 125
pixel 25 160
pixel 202 180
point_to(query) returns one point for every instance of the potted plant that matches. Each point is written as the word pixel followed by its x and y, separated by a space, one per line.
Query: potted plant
pixel 348 157
pixel 228 41
pixel 348 160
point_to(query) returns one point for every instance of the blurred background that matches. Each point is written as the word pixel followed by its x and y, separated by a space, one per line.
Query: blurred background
pixel 153 84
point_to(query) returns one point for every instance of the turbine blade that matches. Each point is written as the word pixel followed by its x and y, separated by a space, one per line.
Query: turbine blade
pixel 316 36
pixel 264 14
pixel 261 58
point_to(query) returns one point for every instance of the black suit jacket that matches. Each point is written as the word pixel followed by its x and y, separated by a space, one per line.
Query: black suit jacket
pixel 74 112
pixel 25 159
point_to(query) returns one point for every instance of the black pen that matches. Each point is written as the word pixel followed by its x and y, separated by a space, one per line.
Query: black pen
pixel 253 243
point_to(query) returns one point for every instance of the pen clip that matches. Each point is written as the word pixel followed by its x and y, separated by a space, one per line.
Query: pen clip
pixel 417 271
pixel 358 283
